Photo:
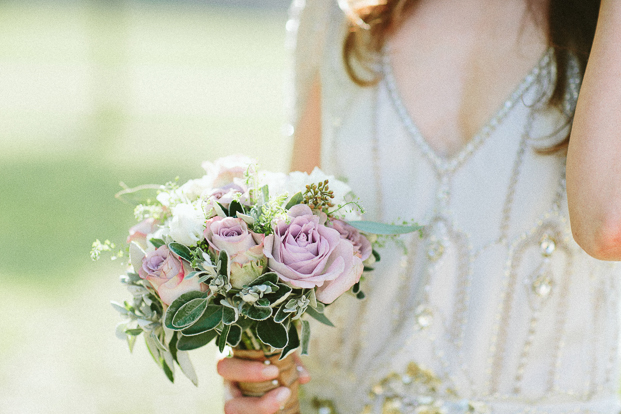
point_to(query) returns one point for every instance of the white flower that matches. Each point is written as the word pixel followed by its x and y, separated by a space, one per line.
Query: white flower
pixel 187 224
pixel 275 181
pixel 193 189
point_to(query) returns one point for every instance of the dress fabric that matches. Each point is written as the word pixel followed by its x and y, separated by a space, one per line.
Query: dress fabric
pixel 495 309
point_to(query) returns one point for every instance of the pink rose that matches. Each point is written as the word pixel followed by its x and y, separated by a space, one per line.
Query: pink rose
pixel 243 247
pixel 166 273
pixel 307 254
pixel 225 170
pixel 362 245
pixel 139 232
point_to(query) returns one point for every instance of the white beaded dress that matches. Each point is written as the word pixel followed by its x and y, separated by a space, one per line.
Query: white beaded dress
pixel 496 309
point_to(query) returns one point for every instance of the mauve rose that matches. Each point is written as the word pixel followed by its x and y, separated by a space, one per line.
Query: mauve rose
pixel 307 254
pixel 362 245
pixel 139 232
pixel 243 246
pixel 224 170
pixel 166 273
pixel 224 196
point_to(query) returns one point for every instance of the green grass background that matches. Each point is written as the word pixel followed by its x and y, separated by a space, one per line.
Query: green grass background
pixel 91 94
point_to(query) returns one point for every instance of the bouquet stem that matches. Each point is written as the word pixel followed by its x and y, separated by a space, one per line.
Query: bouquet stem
pixel 288 377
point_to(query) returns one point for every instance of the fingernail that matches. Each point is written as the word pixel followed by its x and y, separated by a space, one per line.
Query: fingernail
pixel 302 371
pixel 270 371
pixel 283 395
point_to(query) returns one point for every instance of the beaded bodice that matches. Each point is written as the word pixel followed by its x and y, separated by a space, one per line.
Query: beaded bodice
pixel 495 308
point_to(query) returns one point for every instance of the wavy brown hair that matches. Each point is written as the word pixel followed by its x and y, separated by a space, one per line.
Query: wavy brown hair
pixel 570 31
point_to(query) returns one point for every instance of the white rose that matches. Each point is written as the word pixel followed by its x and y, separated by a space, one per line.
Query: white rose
pixel 187 224
pixel 193 189
pixel 275 181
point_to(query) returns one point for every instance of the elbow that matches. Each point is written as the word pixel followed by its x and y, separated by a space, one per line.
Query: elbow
pixel 601 241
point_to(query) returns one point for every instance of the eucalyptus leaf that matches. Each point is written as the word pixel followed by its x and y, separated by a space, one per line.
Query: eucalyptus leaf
pixel 374 227
pixel 296 199
pixel 234 337
pixel 319 316
pixel 312 297
pixel 191 275
pixel 223 335
pixel 305 337
pixel 293 341
pixel 263 302
pixel 181 250
pixel 157 243
pixel 177 304
pixel 245 323
pixel 188 343
pixel 272 333
pixel 189 313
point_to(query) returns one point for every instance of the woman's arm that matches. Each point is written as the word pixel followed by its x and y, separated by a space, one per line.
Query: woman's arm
pixel 594 155
pixel 307 137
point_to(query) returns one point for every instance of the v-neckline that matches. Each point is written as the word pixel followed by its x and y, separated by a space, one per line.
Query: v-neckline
pixel 450 163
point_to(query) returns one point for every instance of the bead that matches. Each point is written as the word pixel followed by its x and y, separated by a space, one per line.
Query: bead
pixel 424 316
pixel 435 249
pixel 542 285
pixel 547 245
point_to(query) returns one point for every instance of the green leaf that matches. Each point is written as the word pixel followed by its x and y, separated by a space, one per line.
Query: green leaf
pixel 245 323
pixel 265 190
pixel 374 227
pixel 209 320
pixel 131 341
pixel 229 315
pixel 157 243
pixel 178 303
pixel 276 298
pixel 189 313
pixel 259 313
pixel 267 277
pixel 376 255
pixel 319 316
pixel 263 302
pixel 235 335
pixel 360 295
pixel 355 288
pixel 293 341
pixel 172 345
pixel 168 371
pixel 181 250
pixel 223 261
pixel 296 199
pixel 305 337
pixel 281 315
pixel 234 208
pixel 134 332
pixel 272 333
pixel 188 343
pixel 223 336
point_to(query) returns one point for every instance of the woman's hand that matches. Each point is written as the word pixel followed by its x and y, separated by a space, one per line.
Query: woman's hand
pixel 235 370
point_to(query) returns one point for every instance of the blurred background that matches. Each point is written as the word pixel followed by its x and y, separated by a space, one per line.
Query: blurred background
pixel 93 93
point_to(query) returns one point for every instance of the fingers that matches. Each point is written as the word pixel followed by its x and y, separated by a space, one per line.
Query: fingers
pixel 231 390
pixel 235 369
pixel 270 403
pixel 303 374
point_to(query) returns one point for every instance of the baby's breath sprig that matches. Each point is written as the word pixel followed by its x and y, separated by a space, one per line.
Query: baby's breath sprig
pixel 319 196
pixel 107 246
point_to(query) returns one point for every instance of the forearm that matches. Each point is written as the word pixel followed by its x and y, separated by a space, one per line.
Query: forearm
pixel 594 156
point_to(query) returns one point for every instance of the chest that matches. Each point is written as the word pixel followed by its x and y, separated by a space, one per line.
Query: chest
pixel 454 68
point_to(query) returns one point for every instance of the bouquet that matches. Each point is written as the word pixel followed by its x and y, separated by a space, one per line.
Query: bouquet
pixel 240 257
